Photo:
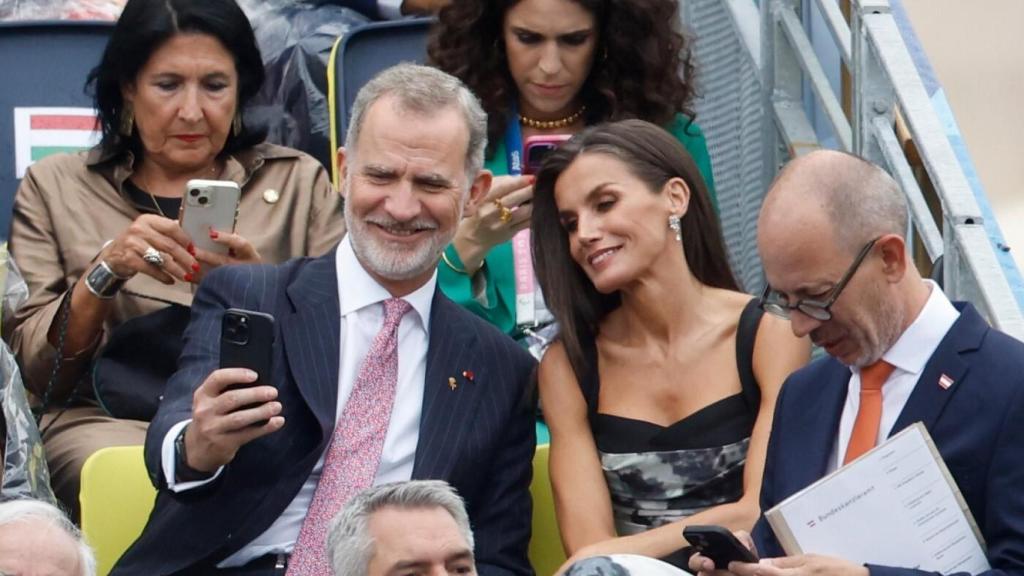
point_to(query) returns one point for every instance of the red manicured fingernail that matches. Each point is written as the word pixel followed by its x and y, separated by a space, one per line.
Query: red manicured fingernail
pixel 213 234
pixel 188 277
pixel 231 252
pixel 195 266
pixel 191 248
pixel 532 178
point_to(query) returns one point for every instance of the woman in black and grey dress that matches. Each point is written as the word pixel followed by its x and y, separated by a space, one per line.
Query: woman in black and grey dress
pixel 660 392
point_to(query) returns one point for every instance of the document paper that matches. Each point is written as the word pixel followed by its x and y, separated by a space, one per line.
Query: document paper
pixel 896 505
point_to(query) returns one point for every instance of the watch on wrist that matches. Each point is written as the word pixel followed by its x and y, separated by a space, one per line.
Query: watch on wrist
pixel 103 282
pixel 182 471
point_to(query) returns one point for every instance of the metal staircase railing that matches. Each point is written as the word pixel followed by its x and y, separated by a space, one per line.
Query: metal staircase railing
pixel 885 81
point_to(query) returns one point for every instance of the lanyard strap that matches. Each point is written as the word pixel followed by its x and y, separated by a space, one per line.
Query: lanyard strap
pixel 526 285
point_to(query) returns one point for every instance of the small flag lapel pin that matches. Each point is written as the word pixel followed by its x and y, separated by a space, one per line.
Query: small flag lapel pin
pixel 451 383
pixel 468 375
pixel 945 382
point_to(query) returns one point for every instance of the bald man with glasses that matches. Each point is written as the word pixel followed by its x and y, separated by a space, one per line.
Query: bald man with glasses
pixel 832 238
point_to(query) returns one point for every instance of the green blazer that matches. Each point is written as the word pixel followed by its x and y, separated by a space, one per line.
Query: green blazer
pixel 495 281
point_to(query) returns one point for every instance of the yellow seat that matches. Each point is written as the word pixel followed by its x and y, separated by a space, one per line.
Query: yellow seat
pixel 546 553
pixel 116 499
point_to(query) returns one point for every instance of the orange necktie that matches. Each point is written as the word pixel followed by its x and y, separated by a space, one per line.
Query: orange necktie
pixel 869 415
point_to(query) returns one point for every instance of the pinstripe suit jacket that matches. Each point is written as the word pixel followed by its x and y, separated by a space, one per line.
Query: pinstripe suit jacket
pixel 479 436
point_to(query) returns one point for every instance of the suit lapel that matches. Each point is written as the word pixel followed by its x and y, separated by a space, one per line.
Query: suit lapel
pixel 929 398
pixel 449 406
pixel 311 335
pixel 820 420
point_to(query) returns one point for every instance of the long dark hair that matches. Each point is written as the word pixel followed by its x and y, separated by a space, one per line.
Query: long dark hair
pixel 143 27
pixel 655 157
pixel 642 65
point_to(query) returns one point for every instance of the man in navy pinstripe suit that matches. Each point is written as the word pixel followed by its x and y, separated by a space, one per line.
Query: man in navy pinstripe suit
pixel 237 466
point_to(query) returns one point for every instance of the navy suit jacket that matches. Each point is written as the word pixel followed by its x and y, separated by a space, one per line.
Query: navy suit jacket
pixel 479 436
pixel 977 425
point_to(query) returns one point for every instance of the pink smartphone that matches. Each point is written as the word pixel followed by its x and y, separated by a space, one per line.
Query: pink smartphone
pixel 536 148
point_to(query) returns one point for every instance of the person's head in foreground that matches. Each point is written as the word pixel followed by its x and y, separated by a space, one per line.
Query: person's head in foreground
pixel 411 164
pixel 37 539
pixel 831 236
pixel 618 203
pixel 414 527
pixel 584 60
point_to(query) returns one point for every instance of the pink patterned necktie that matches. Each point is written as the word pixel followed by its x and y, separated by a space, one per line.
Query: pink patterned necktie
pixel 354 453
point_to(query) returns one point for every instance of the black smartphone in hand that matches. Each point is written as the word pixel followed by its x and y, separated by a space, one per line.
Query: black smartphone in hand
pixel 247 341
pixel 718 544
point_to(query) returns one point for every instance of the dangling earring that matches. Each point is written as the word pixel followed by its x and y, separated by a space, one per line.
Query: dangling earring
pixel 236 124
pixel 127 121
pixel 675 223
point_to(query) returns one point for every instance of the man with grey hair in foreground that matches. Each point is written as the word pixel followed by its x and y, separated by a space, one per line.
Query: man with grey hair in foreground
pixel 38 539
pixel 376 376
pixel 419 526
pixel 832 238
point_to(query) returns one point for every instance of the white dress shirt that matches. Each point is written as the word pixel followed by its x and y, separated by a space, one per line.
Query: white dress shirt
pixel 362 315
pixel 908 355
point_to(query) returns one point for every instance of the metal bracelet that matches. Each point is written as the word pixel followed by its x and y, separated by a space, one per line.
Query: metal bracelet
pixel 103 282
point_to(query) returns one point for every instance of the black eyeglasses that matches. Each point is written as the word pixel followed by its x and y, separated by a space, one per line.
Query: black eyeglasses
pixel 821 310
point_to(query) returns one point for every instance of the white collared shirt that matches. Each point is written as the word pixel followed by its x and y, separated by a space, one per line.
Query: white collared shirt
pixel 362 315
pixel 908 355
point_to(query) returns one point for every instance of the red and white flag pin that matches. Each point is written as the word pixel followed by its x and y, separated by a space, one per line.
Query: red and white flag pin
pixel 945 382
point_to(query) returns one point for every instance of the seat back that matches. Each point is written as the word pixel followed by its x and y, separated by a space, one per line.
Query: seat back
pixel 116 498
pixel 546 552
pixel 358 56
pixel 45 64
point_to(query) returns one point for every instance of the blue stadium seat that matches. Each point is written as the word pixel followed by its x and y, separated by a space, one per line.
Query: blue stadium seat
pixel 359 56
pixel 44 64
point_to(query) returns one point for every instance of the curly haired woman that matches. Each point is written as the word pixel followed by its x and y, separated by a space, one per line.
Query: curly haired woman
pixel 547 67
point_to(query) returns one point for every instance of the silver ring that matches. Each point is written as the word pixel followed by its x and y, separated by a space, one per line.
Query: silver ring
pixel 153 257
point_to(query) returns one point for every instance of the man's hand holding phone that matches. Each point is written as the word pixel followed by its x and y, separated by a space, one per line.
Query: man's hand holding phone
pixel 719 557
pixel 227 413
pixel 718 549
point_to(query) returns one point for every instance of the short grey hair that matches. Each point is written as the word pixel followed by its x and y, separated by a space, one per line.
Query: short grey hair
pixel 25 510
pixel 349 545
pixel 424 90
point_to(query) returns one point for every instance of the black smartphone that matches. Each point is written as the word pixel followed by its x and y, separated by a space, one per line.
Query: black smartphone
pixel 247 341
pixel 718 544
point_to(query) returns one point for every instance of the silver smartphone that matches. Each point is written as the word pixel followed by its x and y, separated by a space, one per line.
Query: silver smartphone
pixel 209 204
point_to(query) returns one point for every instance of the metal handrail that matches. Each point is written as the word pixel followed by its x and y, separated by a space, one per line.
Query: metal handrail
pixel 920 213
pixel 810 65
pixel 943 166
pixel 840 30
pixel 885 78
pixel 978 276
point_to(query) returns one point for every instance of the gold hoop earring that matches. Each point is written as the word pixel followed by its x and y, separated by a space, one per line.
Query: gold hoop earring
pixel 127 123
